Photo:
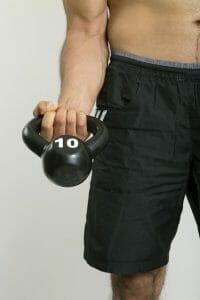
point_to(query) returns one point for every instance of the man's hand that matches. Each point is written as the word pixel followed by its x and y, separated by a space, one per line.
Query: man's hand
pixel 58 120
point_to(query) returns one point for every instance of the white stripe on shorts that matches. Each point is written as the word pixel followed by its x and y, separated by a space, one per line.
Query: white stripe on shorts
pixel 100 113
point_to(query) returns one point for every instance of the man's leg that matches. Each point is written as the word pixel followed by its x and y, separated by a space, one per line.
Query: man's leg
pixel 140 286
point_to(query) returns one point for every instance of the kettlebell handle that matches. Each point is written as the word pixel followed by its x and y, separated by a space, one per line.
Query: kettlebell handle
pixel 37 143
pixel 100 138
pixel 31 137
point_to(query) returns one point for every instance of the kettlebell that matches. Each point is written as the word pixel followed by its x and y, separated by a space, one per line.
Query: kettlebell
pixel 66 160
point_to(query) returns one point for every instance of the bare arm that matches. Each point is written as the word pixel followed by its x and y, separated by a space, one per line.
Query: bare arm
pixel 84 54
pixel 83 62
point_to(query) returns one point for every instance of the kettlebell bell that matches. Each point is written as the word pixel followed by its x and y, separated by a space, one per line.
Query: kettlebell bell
pixel 66 160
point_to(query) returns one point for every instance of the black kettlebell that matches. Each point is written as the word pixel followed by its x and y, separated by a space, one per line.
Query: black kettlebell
pixel 67 160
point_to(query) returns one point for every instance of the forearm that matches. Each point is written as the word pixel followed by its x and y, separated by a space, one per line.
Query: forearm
pixel 83 62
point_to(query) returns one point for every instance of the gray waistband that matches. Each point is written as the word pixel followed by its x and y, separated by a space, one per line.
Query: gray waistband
pixel 167 63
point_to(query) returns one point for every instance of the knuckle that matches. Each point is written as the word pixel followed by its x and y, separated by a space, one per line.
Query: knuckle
pixel 46 126
pixel 42 104
pixel 71 111
pixel 81 124
pixel 71 118
pixel 43 107
pixel 59 120
pixel 71 121
pixel 40 110
pixel 60 116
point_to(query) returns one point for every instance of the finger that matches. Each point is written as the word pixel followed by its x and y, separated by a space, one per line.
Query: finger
pixel 44 106
pixel 71 122
pixel 81 125
pixel 60 122
pixel 47 125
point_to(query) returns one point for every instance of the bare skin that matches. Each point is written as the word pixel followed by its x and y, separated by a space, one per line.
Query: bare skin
pixel 141 286
pixel 83 60
pixel 160 29
pixel 167 29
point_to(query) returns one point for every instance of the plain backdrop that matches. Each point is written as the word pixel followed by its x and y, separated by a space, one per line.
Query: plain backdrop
pixel 41 225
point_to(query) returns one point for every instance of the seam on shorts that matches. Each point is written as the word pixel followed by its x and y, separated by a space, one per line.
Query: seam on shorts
pixel 198 190
pixel 184 184
pixel 155 258
pixel 127 267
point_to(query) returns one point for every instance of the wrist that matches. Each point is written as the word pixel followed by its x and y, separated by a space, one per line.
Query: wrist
pixel 77 104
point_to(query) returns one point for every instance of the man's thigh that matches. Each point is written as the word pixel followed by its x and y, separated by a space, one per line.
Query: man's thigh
pixel 138 181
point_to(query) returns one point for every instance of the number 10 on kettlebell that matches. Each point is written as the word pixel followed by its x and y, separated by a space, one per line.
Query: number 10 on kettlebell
pixel 67 160
pixel 71 143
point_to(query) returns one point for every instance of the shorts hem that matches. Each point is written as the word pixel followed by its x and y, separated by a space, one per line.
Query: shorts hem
pixel 127 267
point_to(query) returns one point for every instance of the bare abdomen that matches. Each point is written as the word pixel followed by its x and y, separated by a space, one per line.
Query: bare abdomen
pixel 168 35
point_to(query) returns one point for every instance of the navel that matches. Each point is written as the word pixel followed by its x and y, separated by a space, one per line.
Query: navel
pixel 197 22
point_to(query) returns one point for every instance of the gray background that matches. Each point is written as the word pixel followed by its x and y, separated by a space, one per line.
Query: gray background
pixel 41 225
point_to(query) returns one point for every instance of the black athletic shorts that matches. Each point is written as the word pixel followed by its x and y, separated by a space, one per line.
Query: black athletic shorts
pixel 152 160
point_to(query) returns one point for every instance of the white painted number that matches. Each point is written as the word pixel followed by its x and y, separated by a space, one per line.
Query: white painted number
pixel 60 142
pixel 72 143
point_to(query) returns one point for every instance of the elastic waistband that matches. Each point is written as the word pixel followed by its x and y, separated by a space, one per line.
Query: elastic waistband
pixel 179 69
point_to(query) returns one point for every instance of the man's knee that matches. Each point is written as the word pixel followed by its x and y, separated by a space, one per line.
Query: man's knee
pixel 140 286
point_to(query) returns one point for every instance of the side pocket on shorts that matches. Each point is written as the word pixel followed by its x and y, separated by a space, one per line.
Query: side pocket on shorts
pixel 119 88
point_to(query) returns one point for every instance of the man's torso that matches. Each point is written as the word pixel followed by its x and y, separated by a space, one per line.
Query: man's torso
pixel 161 29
